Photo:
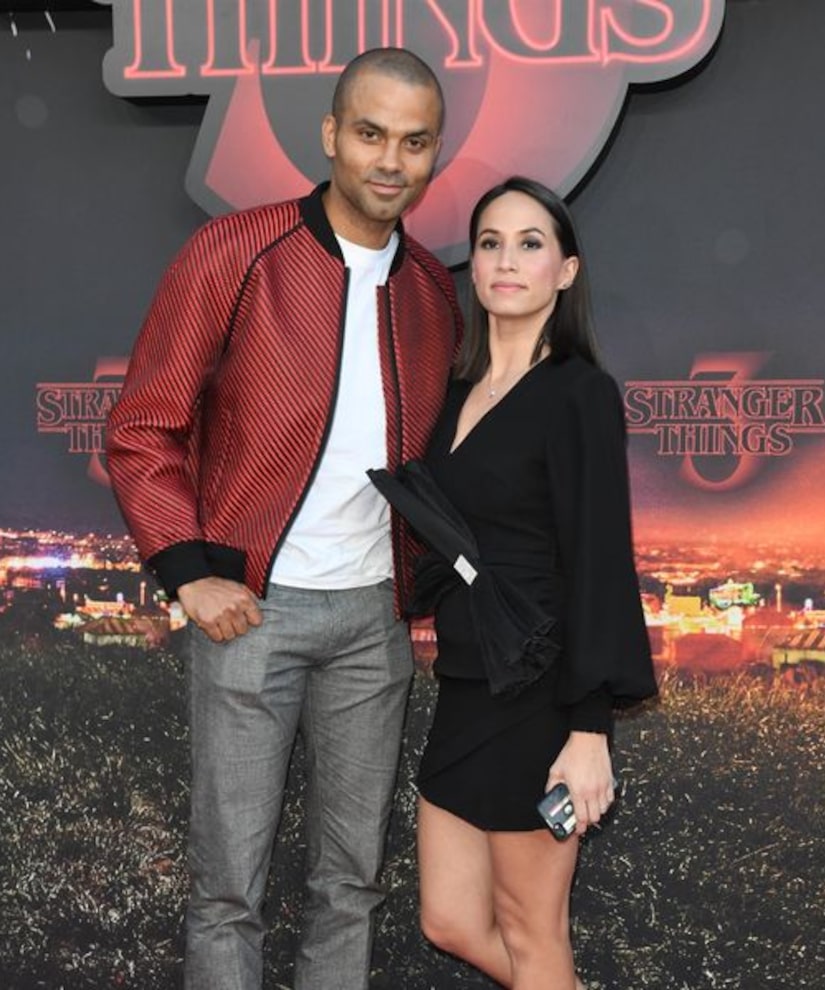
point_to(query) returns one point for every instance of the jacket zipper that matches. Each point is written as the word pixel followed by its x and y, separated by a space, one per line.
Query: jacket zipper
pixel 395 531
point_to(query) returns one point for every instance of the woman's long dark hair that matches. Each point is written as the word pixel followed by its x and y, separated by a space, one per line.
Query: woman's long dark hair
pixel 569 328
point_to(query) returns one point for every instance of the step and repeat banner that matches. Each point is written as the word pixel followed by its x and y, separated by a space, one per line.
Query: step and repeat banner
pixel 686 137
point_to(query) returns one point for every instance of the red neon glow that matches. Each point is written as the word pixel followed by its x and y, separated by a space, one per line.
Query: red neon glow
pixel 743 472
pixel 452 61
pixel 608 39
pixel 362 25
pixel 510 57
pixel 175 70
pixel 325 65
pixel 781 507
pixel 728 417
pixel 524 34
pixel 208 67
pixel 79 409
pixel 591 55
pixel 562 133
pixel 110 367
pixel 731 367
pixel 808 390
pixel 609 23
pixel 399 12
pixel 603 31
pixel 243 179
pixel 106 367
pixel 308 64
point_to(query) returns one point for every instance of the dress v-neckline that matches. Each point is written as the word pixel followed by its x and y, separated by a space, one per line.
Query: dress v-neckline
pixel 455 447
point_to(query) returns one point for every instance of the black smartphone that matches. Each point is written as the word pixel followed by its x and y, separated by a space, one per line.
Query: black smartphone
pixel 556 808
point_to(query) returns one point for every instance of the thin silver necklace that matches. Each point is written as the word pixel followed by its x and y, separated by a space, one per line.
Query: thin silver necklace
pixel 507 380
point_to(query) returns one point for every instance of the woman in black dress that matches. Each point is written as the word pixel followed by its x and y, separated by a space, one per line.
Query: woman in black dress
pixel 531 450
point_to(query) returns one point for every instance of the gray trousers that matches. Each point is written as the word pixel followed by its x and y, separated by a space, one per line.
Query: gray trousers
pixel 336 666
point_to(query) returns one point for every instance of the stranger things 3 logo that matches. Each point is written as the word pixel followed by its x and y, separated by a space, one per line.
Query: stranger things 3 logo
pixel 723 421
pixel 78 411
pixel 532 86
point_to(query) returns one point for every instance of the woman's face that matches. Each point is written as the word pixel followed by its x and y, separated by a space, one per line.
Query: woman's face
pixel 517 262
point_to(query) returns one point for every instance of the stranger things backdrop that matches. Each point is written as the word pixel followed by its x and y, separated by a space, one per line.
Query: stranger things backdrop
pixel 692 151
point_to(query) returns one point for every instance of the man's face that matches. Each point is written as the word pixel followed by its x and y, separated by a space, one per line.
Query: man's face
pixel 382 150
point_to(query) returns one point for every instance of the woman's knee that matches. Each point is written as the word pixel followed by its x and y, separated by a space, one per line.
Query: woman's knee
pixel 445 931
pixel 527 935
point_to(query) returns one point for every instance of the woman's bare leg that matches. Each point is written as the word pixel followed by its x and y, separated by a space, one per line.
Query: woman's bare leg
pixel 456 883
pixel 499 900
pixel 532 878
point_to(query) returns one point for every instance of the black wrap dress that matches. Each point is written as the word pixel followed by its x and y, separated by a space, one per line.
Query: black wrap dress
pixel 542 482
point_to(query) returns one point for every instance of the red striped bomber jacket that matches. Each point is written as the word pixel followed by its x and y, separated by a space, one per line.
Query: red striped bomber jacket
pixel 227 401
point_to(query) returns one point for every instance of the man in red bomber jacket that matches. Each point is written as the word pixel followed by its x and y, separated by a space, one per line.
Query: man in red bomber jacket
pixel 288 349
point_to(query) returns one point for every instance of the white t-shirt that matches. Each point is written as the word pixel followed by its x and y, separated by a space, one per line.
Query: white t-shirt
pixel 341 535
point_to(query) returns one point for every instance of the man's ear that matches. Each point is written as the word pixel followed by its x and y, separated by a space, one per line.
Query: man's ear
pixel 329 128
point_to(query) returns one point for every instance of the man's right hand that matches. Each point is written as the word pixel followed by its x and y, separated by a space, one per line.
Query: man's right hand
pixel 223 609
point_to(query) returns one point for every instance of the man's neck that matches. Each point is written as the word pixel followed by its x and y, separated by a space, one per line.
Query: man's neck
pixel 355 227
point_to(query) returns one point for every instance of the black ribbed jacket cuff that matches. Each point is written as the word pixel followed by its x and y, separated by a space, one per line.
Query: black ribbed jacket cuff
pixel 180 564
